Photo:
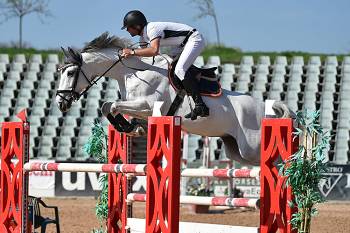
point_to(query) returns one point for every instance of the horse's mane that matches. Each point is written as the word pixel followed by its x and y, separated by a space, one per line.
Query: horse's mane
pixel 105 40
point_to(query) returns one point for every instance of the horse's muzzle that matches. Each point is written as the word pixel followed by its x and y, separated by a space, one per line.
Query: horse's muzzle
pixel 64 106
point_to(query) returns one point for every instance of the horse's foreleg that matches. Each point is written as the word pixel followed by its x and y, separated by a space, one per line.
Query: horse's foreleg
pixel 137 108
pixel 114 110
pixel 118 121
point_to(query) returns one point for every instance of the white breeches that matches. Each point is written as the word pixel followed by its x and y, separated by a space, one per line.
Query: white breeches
pixel 190 52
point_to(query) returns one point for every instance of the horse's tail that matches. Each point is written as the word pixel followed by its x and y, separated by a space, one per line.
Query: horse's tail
pixel 282 110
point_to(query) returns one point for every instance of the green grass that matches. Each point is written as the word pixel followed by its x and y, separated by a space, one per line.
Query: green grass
pixel 234 55
pixel 30 51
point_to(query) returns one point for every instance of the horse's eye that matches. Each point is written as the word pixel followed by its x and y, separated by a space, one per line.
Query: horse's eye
pixel 70 73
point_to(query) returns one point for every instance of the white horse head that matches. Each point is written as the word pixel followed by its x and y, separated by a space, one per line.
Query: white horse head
pixel 71 83
pixel 83 69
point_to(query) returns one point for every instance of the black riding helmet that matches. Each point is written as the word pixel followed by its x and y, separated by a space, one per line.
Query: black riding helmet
pixel 134 18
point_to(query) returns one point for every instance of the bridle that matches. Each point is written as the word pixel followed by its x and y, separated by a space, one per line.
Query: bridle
pixel 74 95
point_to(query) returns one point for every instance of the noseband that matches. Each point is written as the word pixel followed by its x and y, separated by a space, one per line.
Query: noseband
pixel 74 95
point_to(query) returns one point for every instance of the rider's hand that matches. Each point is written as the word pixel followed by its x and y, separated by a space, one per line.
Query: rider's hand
pixel 127 53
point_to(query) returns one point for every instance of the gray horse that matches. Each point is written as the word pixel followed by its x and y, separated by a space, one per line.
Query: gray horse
pixel 235 117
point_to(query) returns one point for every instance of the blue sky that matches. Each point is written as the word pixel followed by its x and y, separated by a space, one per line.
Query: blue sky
pixel 252 25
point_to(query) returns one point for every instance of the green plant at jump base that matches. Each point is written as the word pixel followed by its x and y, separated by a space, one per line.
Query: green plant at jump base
pixel 96 147
pixel 305 168
pixel 199 190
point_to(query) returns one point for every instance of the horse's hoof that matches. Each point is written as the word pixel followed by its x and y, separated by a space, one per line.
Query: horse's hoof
pixel 106 108
pixel 138 131
pixel 114 108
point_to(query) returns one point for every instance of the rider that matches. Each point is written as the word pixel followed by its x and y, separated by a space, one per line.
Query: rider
pixel 186 41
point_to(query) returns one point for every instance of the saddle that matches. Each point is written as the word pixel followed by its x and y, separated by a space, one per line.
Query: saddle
pixel 208 82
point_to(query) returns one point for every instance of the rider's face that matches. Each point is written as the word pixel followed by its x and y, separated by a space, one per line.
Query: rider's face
pixel 133 31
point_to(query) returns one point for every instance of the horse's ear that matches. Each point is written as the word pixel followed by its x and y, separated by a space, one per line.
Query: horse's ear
pixel 71 52
pixel 76 56
pixel 64 52
pixel 67 57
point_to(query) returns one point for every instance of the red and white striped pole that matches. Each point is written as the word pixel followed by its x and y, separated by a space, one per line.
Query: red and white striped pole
pixel 85 167
pixel 201 200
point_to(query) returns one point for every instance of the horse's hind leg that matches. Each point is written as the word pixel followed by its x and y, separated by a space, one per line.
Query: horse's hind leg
pixel 232 150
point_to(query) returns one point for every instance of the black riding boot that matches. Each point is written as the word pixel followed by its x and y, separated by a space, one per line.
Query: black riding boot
pixel 192 86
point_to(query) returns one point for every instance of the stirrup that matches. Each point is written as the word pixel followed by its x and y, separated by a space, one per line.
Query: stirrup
pixel 204 112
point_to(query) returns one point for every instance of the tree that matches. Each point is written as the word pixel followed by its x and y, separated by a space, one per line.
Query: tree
pixel 20 8
pixel 206 8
